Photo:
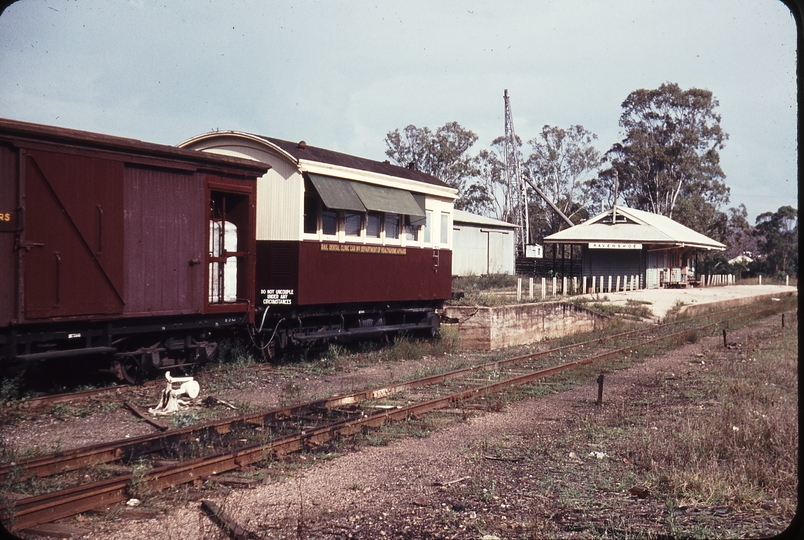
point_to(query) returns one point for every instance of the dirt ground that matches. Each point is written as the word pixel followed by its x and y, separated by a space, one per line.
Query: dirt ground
pixel 525 471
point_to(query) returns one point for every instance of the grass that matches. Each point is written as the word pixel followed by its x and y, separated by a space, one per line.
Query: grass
pixel 722 436
pixel 739 449
pixel 338 357
pixel 634 310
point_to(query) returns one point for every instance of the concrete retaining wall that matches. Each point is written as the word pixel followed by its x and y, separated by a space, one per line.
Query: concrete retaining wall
pixel 490 328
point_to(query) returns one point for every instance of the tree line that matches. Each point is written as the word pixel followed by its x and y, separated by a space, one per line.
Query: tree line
pixel 667 162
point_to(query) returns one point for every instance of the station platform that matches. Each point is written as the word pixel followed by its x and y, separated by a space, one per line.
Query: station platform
pixel 664 300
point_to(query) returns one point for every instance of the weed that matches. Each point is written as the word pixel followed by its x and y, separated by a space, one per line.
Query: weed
pixel 185 419
pixel 234 352
pixel 674 313
pixel 292 393
pixel 9 388
pixel 138 486
pixel 449 340
pixel 62 411
pixel 486 282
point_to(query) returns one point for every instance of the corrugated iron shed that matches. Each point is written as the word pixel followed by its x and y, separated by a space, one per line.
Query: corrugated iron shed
pixel 482 245
pixel 459 216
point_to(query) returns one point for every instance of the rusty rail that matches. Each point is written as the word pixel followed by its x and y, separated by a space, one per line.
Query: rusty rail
pixel 35 510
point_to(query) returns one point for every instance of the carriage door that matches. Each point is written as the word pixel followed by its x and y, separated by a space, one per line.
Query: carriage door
pixel 229 252
pixel 72 248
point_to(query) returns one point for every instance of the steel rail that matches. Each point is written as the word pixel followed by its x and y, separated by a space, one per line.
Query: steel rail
pixel 77 458
pixel 32 511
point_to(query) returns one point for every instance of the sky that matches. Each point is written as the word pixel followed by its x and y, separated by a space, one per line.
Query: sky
pixel 342 74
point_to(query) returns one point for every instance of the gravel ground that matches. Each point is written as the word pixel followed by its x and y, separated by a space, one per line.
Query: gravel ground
pixel 463 481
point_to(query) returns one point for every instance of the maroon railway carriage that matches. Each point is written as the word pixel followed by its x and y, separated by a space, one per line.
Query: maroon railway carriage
pixel 347 247
pixel 115 246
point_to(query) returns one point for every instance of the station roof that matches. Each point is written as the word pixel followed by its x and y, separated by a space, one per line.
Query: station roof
pixel 633 226
pixel 459 216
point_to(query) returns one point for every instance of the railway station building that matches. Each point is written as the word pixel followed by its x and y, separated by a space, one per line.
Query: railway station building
pixel 627 242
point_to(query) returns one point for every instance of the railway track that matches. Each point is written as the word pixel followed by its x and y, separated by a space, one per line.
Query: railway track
pixel 164 460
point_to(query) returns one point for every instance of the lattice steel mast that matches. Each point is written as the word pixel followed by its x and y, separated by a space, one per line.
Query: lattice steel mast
pixel 514 179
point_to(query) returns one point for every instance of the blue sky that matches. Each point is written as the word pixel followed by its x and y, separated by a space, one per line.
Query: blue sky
pixel 341 75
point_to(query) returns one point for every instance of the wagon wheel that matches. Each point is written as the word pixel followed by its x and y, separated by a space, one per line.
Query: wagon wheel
pixel 435 322
pixel 126 369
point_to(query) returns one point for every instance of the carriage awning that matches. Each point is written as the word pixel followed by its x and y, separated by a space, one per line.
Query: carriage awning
pixel 337 194
pixel 340 194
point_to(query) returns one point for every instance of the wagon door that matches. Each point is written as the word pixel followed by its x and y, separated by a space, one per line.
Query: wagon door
pixel 73 212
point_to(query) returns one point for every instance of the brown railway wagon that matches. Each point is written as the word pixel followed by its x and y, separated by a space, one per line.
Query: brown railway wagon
pixel 347 247
pixel 105 237
pixel 329 273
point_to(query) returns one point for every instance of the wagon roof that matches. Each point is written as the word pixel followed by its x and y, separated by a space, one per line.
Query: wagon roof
pixel 299 151
pixel 633 226
pixel 25 131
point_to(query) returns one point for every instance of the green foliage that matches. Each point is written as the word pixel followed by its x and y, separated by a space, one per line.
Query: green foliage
pixel 484 283
pixel 235 352
pixel 777 239
pixel 443 154
pixel 10 388
pixel 563 163
pixel 138 487
pixel 668 162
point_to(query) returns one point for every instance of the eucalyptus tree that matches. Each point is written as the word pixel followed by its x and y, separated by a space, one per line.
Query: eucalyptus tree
pixel 777 240
pixel 443 153
pixel 490 192
pixel 668 160
pixel 563 164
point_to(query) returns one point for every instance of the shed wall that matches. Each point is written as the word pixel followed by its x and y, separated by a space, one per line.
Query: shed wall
pixel 614 262
pixel 479 251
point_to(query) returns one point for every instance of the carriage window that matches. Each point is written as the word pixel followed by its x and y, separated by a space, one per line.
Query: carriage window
pixel 444 228
pixel 352 223
pixel 329 221
pixel 392 225
pixel 310 214
pixel 428 226
pixel 411 231
pixel 373 225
